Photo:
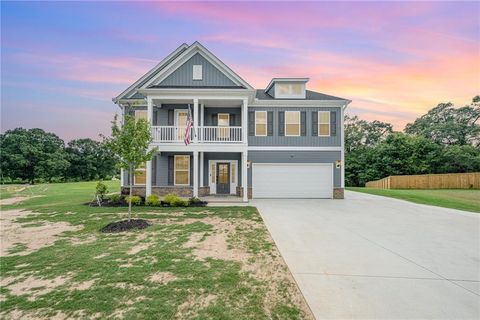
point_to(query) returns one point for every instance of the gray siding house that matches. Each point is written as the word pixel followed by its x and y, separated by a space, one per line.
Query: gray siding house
pixel 283 141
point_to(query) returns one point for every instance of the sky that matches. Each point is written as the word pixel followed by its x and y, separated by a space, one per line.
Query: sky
pixel 63 62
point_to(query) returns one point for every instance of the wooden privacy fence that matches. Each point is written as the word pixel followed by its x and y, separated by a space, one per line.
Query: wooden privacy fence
pixel 429 181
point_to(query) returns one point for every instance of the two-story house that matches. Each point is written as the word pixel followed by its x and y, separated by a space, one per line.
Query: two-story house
pixel 283 141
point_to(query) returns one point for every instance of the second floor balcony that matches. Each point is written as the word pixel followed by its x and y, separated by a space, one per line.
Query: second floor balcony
pixel 203 134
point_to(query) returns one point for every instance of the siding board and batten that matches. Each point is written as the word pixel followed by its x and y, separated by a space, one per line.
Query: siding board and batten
pixel 429 181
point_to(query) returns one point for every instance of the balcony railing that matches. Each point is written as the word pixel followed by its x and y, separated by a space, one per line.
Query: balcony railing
pixel 175 134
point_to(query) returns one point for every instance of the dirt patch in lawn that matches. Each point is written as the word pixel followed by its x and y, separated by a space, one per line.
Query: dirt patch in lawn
pixel 15 200
pixel 215 244
pixel 33 237
pixel 85 285
pixel 32 286
pixel 193 304
pixel 162 277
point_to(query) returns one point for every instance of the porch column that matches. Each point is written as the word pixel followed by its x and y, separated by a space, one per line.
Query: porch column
pixel 201 169
pixel 122 178
pixel 148 182
pixel 195 173
pixel 202 116
pixel 342 170
pixel 245 176
pixel 149 110
pixel 195 120
pixel 244 121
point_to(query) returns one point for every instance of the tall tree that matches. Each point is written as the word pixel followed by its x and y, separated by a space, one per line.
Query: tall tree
pixel 130 142
pixel 360 133
pixel 30 154
pixel 89 160
pixel 446 124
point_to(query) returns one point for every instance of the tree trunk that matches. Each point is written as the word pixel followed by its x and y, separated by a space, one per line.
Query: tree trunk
pixel 130 192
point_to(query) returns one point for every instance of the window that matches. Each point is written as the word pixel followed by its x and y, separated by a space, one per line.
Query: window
pixel 292 123
pixel 140 176
pixel 283 88
pixel 260 123
pixel 290 90
pixel 233 172
pixel 182 170
pixel 324 123
pixel 197 72
pixel 296 89
pixel 140 114
pixel 212 172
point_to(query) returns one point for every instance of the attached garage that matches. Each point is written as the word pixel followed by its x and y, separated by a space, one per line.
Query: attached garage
pixel 292 180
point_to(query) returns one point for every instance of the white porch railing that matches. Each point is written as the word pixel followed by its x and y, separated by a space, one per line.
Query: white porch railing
pixel 205 134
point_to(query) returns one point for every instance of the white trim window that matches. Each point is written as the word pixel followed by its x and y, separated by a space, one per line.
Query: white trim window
pixel 140 176
pixel 223 123
pixel 197 72
pixel 261 123
pixel 324 123
pixel 290 90
pixel 141 114
pixel 292 123
pixel 181 170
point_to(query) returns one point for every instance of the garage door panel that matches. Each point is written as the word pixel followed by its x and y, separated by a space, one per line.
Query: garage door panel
pixel 292 180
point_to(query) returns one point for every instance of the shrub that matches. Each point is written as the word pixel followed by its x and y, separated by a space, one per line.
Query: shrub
pixel 152 200
pixel 196 202
pixel 101 190
pixel 136 200
pixel 115 198
pixel 175 201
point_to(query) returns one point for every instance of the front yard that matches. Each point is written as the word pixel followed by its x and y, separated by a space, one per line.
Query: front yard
pixel 468 200
pixel 191 263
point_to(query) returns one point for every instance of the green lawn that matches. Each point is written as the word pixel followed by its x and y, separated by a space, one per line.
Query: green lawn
pixel 468 200
pixel 195 263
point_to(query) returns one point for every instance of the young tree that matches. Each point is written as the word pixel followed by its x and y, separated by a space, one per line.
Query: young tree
pixel 130 142
pixel 31 154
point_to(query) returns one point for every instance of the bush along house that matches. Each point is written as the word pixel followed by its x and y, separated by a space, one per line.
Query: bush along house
pixel 216 135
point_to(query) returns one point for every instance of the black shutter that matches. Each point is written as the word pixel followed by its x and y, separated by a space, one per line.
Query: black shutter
pixel 215 119
pixel 171 121
pixel 303 123
pixel 232 120
pixel 315 123
pixel 270 123
pixel 333 123
pixel 191 171
pixel 170 170
pixel 251 123
pixel 281 123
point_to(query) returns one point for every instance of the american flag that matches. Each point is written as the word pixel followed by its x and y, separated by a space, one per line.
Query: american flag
pixel 188 128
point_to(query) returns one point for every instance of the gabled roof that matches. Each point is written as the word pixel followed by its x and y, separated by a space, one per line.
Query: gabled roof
pixel 310 95
pixel 196 48
pixel 130 91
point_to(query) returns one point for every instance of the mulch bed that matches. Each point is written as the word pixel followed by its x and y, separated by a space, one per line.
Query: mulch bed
pixel 125 225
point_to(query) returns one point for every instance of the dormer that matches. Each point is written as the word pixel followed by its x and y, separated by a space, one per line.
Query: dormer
pixel 287 88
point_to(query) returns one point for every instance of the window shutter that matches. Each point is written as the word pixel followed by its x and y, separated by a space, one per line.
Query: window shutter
pixel 154 120
pixel 315 123
pixel 171 121
pixel 170 170
pixel 333 123
pixel 251 123
pixel 215 119
pixel 191 171
pixel 281 123
pixel 270 123
pixel 303 123
pixel 232 120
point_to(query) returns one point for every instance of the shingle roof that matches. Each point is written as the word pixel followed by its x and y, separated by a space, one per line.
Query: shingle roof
pixel 310 95
pixel 197 87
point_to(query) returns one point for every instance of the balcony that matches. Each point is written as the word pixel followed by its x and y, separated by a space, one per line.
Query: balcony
pixel 205 134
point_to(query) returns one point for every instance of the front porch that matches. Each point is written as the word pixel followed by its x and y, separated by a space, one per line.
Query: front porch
pixel 220 175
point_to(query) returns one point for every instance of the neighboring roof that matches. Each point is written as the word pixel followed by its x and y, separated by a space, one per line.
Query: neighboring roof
pixel 310 95
pixel 304 80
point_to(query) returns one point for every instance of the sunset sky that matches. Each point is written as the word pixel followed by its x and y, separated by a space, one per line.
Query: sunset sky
pixel 62 62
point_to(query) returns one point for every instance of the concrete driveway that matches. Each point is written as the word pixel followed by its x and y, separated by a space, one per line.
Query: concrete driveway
pixel 379 258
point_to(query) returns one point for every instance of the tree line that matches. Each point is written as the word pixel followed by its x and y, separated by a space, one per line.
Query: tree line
pixel 444 140
pixel 33 155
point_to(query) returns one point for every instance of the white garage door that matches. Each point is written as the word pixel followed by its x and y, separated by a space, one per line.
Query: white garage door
pixel 292 180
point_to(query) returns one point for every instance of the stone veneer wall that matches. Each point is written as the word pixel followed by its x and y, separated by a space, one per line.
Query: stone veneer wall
pixel 182 191
pixel 240 192
pixel 338 193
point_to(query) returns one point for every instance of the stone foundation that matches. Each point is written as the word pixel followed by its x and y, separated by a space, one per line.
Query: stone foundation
pixel 203 191
pixel 182 191
pixel 240 192
pixel 338 193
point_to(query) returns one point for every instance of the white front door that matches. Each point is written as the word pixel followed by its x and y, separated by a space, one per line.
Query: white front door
pixel 181 117
pixel 292 180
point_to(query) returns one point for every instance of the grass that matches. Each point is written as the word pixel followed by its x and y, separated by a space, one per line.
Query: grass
pixel 96 275
pixel 467 200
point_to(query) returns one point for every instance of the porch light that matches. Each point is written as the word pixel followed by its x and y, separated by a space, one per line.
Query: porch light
pixel 338 164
